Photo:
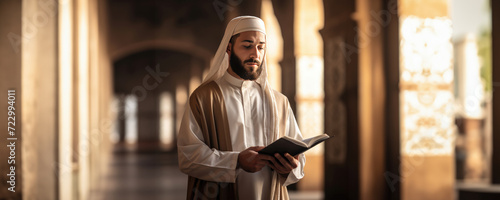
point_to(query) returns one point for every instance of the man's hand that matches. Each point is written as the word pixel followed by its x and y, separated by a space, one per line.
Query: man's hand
pixel 284 165
pixel 251 161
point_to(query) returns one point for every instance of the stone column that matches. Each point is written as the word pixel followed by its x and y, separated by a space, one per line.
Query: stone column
pixel 285 12
pixel 40 91
pixel 10 79
pixel 392 128
pixel 68 98
pixel 100 122
pixel 372 19
pixel 495 167
pixel 342 158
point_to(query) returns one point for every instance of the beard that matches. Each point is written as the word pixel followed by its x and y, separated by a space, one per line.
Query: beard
pixel 239 69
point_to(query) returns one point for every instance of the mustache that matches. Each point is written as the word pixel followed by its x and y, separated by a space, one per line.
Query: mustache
pixel 252 61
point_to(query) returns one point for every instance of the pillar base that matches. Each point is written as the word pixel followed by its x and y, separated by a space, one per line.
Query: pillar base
pixel 478 191
pixel 427 177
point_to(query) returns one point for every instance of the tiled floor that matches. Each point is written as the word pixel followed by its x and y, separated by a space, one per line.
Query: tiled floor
pixel 151 174
pixel 148 174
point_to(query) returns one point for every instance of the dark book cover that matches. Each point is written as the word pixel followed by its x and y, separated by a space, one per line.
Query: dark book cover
pixel 292 146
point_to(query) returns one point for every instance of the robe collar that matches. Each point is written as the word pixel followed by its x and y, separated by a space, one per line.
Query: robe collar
pixel 237 82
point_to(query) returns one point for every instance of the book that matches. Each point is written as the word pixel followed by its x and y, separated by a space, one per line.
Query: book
pixel 293 146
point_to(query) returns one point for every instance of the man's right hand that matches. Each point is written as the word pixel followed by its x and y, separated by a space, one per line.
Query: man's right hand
pixel 251 161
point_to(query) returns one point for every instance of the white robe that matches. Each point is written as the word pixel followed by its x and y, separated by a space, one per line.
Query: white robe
pixel 249 118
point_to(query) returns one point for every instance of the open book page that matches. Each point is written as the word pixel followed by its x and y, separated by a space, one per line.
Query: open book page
pixel 310 142
pixel 297 142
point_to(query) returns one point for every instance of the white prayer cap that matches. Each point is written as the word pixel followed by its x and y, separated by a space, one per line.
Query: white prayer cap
pixel 248 23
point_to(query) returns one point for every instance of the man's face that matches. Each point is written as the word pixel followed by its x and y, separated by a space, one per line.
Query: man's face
pixel 246 54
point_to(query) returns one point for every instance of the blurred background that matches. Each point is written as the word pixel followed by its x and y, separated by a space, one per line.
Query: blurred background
pixel 405 86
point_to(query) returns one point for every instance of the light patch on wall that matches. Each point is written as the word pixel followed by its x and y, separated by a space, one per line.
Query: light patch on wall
pixel 167 120
pixel 181 97
pixel 471 88
pixel 274 45
pixel 427 113
pixel 310 98
pixel 114 136
pixel 131 131
pixel 66 100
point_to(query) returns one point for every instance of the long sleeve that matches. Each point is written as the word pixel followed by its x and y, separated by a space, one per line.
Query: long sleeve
pixel 197 159
pixel 292 130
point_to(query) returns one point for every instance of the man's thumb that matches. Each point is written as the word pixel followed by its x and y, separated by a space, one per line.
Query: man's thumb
pixel 256 148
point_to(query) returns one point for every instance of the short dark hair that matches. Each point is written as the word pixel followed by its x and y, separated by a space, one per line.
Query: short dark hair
pixel 233 38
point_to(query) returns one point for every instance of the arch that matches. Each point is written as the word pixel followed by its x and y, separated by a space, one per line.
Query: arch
pixel 175 45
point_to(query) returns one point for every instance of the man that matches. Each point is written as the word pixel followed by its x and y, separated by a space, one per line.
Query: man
pixel 233 115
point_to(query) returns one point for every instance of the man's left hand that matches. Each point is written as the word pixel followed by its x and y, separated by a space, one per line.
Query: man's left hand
pixel 284 165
